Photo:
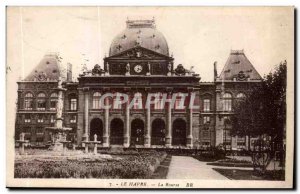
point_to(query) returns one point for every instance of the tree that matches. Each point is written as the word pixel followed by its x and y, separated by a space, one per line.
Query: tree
pixel 263 111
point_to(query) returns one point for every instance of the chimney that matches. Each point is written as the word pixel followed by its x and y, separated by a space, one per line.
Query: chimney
pixel 215 71
pixel 69 72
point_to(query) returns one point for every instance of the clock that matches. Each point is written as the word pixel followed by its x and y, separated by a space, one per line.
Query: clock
pixel 138 68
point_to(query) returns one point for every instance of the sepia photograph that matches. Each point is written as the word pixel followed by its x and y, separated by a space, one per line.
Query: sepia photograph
pixel 149 97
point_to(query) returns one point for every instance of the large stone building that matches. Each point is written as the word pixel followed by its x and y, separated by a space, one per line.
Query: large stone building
pixel 139 64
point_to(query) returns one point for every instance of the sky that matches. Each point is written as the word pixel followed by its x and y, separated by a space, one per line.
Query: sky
pixel 197 36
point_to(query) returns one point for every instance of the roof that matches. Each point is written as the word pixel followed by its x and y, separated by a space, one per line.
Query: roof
pixel 46 70
pixel 239 67
pixel 139 33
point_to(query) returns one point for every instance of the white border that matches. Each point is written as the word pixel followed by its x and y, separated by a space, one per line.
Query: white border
pixel 107 3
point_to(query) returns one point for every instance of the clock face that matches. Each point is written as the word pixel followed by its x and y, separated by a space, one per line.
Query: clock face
pixel 138 68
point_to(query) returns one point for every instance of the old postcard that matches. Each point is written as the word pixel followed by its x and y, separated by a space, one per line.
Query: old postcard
pixel 150 97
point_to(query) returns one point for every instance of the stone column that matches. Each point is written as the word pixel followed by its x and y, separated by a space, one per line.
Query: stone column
pixel 127 125
pixel 169 122
pixel 106 124
pixel 86 114
pixel 189 138
pixel 147 142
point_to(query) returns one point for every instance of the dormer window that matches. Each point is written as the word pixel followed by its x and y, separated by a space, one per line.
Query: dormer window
pixel 119 47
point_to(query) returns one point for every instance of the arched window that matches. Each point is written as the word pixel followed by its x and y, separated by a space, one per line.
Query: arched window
pixel 73 101
pixel 28 101
pixel 117 98
pixel 96 100
pixel 241 96
pixel 138 102
pixel 179 101
pixel 53 101
pixel 41 101
pixel 227 99
pixel 158 102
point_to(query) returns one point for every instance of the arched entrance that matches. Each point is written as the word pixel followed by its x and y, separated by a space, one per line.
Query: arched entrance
pixel 96 127
pixel 116 132
pixel 179 132
pixel 158 132
pixel 137 132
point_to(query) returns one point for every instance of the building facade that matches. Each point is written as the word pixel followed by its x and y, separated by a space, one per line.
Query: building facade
pixel 138 81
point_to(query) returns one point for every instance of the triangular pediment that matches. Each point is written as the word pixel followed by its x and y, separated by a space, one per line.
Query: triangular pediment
pixel 139 53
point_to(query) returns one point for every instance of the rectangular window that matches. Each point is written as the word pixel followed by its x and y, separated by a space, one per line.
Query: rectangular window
pixel 27 118
pixel 206 119
pixel 227 139
pixel 241 145
pixel 206 105
pixel 41 105
pixel 73 104
pixel 39 135
pixel 73 119
pixel 40 119
pixel 52 119
pixel 27 132
pixel 53 105
pixel 206 144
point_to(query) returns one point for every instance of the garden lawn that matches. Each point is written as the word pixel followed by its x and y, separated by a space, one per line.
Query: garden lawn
pixel 133 166
pixel 235 174
pixel 230 162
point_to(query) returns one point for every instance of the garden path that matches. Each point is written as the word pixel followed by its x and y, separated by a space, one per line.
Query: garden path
pixel 185 167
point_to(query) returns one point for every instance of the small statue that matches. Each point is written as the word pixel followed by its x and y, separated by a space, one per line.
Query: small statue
pixel 97 70
pixel 107 68
pixel 191 72
pixel 169 69
pixel 149 69
pixel 128 69
pixel 180 70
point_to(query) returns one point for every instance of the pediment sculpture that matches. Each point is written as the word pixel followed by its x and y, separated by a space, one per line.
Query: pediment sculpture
pixel 180 70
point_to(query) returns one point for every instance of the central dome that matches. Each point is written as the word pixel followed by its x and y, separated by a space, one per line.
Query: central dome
pixel 139 33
